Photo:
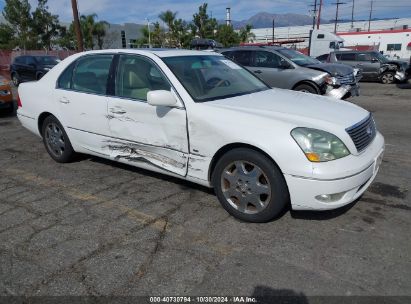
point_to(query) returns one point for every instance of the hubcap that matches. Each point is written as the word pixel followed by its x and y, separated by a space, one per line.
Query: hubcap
pixel 387 78
pixel 55 139
pixel 246 187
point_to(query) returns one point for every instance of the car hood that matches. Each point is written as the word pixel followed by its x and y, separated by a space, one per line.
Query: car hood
pixel 300 109
pixel 334 69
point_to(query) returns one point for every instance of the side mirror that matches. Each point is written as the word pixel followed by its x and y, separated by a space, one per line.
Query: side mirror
pixel 161 98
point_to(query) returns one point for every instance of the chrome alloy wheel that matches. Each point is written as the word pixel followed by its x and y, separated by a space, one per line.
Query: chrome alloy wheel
pixel 55 139
pixel 246 187
pixel 387 78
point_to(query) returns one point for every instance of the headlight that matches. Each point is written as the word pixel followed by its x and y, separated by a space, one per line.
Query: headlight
pixel 46 69
pixel 331 80
pixel 319 146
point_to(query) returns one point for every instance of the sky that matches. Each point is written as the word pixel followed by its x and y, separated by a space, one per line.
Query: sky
pixel 137 11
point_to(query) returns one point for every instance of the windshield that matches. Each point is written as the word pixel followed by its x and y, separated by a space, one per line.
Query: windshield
pixel 298 58
pixel 209 78
pixel 380 57
pixel 47 60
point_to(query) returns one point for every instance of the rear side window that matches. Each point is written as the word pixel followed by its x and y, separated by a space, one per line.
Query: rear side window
pixel 345 56
pixel 19 60
pixel 242 57
pixel 65 78
pixel 30 60
pixel 364 57
pixel 91 74
pixel 136 76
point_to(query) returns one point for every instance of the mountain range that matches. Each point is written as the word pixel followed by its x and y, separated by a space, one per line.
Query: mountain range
pixel 264 20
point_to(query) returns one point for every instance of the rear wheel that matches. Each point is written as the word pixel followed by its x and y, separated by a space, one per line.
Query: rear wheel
pixel 306 88
pixel 388 78
pixel 250 186
pixel 56 140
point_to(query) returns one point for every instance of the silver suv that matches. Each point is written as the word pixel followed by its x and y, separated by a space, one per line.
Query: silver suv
pixel 289 69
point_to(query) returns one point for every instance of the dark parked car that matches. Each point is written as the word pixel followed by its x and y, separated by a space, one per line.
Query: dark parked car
pixel 374 65
pixel 289 69
pixel 27 68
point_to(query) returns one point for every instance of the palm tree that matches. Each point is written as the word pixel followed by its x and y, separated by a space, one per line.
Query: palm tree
pixel 168 17
pixel 245 33
pixel 87 26
pixel 99 31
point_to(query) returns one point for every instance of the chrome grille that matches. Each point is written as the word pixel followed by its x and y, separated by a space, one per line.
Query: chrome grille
pixel 347 79
pixel 363 133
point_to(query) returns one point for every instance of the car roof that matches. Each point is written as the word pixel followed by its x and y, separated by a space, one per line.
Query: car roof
pixel 158 52
pixel 253 48
pixel 354 51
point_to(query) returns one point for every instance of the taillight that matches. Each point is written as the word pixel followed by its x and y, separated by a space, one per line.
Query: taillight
pixel 19 102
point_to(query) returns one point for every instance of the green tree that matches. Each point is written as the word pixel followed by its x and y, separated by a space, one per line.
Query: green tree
pixel 100 31
pixel 168 17
pixel 87 25
pixel 44 25
pixel 181 33
pixel 67 37
pixel 18 17
pixel 205 26
pixel 227 36
pixel 246 34
pixel 7 39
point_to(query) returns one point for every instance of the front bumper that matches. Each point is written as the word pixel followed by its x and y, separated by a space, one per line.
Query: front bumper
pixel 305 192
pixel 343 91
pixel 401 76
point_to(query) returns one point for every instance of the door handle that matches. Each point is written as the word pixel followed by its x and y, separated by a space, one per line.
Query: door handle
pixel 64 100
pixel 258 72
pixel 119 111
pixel 360 64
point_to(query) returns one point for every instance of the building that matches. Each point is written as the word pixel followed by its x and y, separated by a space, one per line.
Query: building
pixel 392 37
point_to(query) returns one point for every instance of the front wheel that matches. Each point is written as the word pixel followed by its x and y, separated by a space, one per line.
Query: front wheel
pixel 388 78
pixel 250 186
pixel 306 89
pixel 56 140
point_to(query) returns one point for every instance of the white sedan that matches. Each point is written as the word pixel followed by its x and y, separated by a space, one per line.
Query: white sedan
pixel 201 117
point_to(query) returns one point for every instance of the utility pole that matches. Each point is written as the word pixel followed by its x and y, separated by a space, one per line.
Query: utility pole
pixel 273 29
pixel 338 3
pixel 352 14
pixel 369 20
pixel 314 12
pixel 77 28
pixel 319 15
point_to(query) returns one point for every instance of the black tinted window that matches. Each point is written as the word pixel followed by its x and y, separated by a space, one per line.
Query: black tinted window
pixel 136 76
pixel 267 59
pixel 242 57
pixel 346 56
pixel 91 74
pixel 30 60
pixel 19 60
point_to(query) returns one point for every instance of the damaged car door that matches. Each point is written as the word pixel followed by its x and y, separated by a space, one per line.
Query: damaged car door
pixel 154 135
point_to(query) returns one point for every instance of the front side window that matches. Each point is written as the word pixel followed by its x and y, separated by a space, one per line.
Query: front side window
pixel 91 74
pixel 394 47
pixel 297 57
pixel 267 59
pixel 208 77
pixel 136 76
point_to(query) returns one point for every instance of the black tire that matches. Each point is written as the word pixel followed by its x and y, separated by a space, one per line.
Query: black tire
pixel 273 181
pixel 306 88
pixel 15 79
pixel 56 140
pixel 388 78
